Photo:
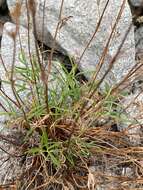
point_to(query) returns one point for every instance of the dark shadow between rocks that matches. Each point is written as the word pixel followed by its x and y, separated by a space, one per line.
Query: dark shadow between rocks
pixel 4 16
pixel 64 60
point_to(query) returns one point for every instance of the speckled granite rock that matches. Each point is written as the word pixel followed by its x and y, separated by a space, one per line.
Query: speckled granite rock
pixel 7 50
pixel 134 114
pixel 75 32
pixel 22 45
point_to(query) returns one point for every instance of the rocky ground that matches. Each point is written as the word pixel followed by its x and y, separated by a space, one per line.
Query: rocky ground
pixel 73 39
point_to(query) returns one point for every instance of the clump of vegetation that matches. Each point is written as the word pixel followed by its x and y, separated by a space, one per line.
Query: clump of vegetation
pixel 63 141
pixel 69 135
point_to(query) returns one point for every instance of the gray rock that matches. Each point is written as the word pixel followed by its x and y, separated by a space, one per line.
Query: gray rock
pixel 22 47
pixel 136 3
pixel 9 53
pixel 79 21
pixel 132 104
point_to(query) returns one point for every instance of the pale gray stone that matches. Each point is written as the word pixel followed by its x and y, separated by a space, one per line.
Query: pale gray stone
pixel 8 53
pixel 79 21
pixel 132 104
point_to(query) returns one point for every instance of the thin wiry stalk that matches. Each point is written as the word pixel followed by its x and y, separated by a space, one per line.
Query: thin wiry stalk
pixel 112 61
pixel 131 73
pixel 101 62
pixel 94 34
pixel 10 154
pixel 11 100
pixel 107 143
pixel 32 8
pixel 13 35
pixel 30 55
pixel 102 79
pixel 43 24
pixel 6 71
pixel 106 49
pixel 51 55
pixel 103 56
pixel 54 39
pixel 18 99
pixel 1 105
pixel 133 100
pixel 38 170
pixel 8 140
pixel 3 64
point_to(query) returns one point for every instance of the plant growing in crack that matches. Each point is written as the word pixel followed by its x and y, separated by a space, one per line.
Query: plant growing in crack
pixel 65 129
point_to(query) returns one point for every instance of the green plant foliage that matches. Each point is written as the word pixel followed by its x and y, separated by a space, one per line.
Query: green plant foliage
pixel 68 134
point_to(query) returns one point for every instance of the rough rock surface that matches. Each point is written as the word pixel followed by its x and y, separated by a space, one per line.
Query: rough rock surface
pixel 133 105
pixel 22 45
pixel 79 22
pixel 8 52
pixel 74 46
pixel 134 111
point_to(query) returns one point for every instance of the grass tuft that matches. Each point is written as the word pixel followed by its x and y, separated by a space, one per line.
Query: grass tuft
pixel 69 136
